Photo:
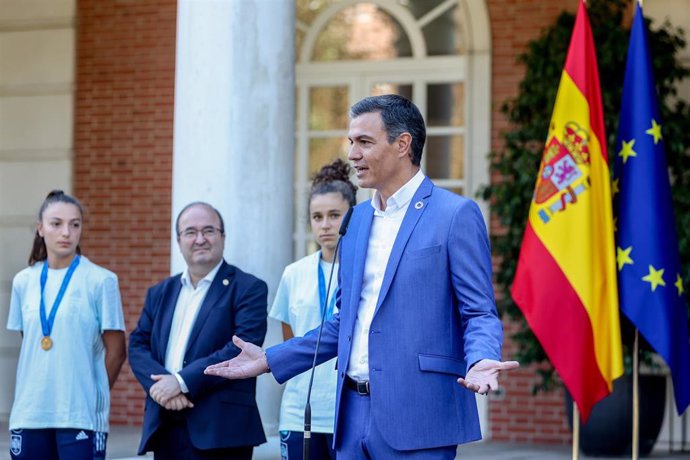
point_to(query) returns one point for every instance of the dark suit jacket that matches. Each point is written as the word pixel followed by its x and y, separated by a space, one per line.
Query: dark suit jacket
pixel 225 412
pixel 434 318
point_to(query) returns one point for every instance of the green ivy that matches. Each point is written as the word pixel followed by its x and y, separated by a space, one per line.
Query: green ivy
pixel 514 168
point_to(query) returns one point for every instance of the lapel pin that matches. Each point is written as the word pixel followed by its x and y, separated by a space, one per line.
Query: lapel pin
pixel 418 205
pixel 226 282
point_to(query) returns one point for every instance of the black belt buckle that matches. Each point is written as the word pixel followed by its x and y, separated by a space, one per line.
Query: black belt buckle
pixel 363 387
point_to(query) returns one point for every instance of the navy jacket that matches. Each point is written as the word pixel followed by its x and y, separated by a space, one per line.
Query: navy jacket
pixel 225 412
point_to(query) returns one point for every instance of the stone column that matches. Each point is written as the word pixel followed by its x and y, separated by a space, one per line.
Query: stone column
pixel 234 137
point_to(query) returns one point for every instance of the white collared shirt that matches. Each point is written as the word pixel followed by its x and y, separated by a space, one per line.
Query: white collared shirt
pixel 384 231
pixel 186 310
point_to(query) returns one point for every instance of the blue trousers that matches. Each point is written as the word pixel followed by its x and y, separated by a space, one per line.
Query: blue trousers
pixel 57 444
pixel 360 438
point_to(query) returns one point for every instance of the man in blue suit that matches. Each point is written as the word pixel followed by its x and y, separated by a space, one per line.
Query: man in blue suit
pixel 187 323
pixel 417 333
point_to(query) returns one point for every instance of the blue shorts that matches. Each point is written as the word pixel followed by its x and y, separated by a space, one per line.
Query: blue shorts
pixel 292 446
pixel 57 444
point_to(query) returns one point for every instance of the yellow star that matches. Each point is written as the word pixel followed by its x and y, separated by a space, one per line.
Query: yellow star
pixel 627 150
pixel 655 277
pixel 614 187
pixel 655 131
pixel 623 257
pixel 679 284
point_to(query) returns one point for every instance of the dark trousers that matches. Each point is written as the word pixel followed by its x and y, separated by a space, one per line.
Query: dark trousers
pixel 292 446
pixel 360 438
pixel 57 444
pixel 172 443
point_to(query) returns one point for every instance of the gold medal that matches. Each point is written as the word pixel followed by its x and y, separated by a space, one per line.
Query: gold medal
pixel 46 343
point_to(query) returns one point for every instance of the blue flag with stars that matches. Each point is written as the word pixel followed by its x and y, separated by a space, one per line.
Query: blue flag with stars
pixel 649 277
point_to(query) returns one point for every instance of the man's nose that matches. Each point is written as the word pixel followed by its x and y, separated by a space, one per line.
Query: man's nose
pixel 353 153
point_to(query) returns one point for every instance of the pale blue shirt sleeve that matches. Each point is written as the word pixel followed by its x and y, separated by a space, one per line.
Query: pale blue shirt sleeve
pixel 109 305
pixel 280 310
pixel 14 319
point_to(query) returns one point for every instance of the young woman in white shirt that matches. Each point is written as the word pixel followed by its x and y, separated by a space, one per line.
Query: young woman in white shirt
pixel 69 313
pixel 299 306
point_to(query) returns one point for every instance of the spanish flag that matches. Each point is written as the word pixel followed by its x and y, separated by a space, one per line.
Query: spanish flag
pixel 565 283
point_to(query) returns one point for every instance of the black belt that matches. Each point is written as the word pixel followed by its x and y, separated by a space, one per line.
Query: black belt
pixel 361 387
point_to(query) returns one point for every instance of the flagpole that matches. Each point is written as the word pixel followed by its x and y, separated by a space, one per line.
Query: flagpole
pixel 576 432
pixel 636 398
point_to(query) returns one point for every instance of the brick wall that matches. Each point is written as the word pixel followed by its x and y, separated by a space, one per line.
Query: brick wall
pixel 518 415
pixel 123 152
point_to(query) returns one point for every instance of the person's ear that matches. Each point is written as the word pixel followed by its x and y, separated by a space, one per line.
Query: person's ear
pixel 404 144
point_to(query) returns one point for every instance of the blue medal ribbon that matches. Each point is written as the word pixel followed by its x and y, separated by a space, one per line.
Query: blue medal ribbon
pixel 47 323
pixel 322 293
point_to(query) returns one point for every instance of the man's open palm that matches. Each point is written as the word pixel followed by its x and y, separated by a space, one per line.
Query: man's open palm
pixel 249 363
pixel 483 376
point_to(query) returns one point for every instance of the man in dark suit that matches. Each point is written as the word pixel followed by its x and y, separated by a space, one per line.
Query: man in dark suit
pixel 417 333
pixel 187 323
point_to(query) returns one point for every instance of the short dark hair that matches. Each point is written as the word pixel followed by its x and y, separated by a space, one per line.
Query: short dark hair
pixel 399 115
pixel 199 203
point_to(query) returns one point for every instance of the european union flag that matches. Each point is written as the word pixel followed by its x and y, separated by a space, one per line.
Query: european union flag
pixel 649 277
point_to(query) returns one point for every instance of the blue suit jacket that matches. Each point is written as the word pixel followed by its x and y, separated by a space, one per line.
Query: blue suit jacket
pixel 225 412
pixel 434 318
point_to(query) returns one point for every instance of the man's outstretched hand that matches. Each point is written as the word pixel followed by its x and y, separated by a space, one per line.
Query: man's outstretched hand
pixel 483 376
pixel 249 363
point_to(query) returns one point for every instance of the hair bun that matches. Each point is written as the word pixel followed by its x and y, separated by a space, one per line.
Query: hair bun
pixel 55 193
pixel 334 177
pixel 337 170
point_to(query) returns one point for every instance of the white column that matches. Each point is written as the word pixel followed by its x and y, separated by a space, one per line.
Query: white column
pixel 234 137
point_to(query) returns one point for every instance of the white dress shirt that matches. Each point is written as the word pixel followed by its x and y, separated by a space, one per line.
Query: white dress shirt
pixel 186 310
pixel 384 231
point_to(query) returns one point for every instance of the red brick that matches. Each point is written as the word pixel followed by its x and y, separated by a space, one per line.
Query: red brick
pixel 123 152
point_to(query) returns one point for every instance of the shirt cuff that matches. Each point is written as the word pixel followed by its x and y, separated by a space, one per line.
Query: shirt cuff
pixel 183 386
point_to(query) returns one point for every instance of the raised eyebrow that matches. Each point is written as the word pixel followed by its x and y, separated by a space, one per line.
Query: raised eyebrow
pixel 363 137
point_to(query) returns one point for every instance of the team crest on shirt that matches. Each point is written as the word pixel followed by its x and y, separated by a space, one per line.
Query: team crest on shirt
pixel 563 171
pixel 16 442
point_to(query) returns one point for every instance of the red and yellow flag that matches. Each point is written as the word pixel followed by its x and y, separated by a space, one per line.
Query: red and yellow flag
pixel 565 282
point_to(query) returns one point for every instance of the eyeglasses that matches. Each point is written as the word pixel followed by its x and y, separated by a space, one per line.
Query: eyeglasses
pixel 206 232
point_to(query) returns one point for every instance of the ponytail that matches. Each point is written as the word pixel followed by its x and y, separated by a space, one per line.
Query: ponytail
pixel 39 251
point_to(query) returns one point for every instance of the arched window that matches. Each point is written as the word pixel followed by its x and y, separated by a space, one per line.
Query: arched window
pixel 434 52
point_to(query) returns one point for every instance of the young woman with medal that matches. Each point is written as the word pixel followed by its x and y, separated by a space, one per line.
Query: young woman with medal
pixel 69 313
pixel 298 306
